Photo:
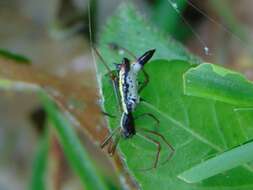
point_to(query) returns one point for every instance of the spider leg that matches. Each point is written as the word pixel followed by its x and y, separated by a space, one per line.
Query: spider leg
pixel 166 142
pixel 108 114
pixel 150 115
pixel 158 145
pixel 146 81
pixel 109 137
pixel 112 75
pixel 113 145
pixel 117 47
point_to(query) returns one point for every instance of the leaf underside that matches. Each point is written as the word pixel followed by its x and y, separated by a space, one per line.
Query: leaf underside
pixel 197 128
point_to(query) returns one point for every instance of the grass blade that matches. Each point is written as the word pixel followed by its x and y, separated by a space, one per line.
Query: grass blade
pixel 40 164
pixel 228 160
pixel 77 156
pixel 18 58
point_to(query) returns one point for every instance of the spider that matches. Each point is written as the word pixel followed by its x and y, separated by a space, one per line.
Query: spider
pixel 127 90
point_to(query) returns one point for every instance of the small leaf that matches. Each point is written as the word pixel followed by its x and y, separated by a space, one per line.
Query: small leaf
pixel 214 82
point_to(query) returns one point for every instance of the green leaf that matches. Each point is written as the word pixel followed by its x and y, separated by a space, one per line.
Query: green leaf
pixel 131 31
pixel 197 128
pixel 39 166
pixel 245 117
pixel 228 160
pixel 168 19
pixel 77 156
pixel 16 57
pixel 215 82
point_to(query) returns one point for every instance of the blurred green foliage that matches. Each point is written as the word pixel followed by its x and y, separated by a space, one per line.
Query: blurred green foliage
pixel 16 57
